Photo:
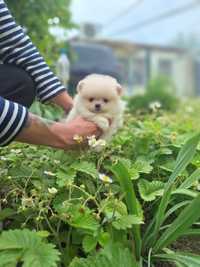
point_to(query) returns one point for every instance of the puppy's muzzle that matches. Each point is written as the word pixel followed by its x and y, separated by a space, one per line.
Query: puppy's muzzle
pixel 97 107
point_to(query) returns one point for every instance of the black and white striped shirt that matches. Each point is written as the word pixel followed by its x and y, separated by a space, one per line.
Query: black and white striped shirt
pixel 16 48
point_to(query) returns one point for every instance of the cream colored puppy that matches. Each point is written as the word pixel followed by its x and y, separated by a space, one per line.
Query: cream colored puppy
pixel 98 100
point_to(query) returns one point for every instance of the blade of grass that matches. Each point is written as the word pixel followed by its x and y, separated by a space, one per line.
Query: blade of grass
pixel 185 156
pixel 190 180
pixel 181 224
pixel 123 176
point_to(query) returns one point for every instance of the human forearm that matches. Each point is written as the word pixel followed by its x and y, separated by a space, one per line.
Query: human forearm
pixel 39 131
pixel 63 100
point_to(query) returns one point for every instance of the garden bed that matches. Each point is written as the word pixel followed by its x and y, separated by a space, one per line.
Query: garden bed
pixel 86 203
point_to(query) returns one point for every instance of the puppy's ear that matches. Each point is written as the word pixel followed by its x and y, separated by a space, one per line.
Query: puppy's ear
pixel 119 89
pixel 79 86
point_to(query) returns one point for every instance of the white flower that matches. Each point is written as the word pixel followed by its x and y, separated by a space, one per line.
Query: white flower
pixel 93 142
pixel 57 161
pixel 3 158
pixel 78 138
pixel 49 173
pixel 105 178
pixel 154 106
pixel 16 151
pixel 52 190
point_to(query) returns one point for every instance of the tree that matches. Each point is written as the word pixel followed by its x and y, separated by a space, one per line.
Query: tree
pixel 35 15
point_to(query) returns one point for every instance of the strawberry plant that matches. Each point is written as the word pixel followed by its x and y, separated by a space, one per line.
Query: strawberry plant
pixel 124 206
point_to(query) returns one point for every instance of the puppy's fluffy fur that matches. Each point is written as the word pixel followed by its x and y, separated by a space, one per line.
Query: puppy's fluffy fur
pixel 98 100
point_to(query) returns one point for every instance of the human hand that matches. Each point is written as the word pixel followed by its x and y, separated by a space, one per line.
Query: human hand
pixel 39 131
pixel 78 127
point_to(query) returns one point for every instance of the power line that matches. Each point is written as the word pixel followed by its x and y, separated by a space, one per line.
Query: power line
pixel 122 13
pixel 163 16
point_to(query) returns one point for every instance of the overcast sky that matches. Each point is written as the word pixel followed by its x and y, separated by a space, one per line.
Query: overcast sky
pixel 102 11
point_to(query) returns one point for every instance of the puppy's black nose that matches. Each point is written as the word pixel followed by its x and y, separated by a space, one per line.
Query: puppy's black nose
pixel 97 106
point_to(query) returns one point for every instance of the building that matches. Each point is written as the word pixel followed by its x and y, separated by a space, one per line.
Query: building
pixel 141 63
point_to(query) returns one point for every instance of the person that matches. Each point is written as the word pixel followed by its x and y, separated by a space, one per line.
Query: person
pixel 24 75
pixel 63 67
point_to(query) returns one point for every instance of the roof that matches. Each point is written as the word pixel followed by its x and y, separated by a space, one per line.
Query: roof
pixel 130 46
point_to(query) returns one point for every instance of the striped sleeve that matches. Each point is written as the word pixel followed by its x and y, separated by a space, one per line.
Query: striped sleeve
pixel 12 119
pixel 16 48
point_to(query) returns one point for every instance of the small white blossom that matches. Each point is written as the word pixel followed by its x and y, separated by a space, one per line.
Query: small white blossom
pixel 3 158
pixel 57 161
pixel 16 151
pixel 52 190
pixel 49 173
pixel 93 142
pixel 104 178
pixel 154 106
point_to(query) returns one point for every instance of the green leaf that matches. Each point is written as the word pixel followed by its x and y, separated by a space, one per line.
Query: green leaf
pixel 6 213
pixel 86 167
pixel 187 260
pixel 126 222
pixel 112 256
pixel 104 238
pixel 89 243
pixel 78 216
pixel 64 178
pixel 27 247
pixel 185 192
pixel 143 166
pixel 113 208
pixel 150 190
pixel 181 224
pixel 195 176
pixel 123 176
pixel 184 157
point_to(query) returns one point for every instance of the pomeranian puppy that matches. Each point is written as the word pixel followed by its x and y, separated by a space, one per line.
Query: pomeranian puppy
pixel 98 100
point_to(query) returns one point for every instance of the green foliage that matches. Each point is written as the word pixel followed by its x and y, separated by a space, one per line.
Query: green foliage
pixel 112 256
pixel 160 90
pixel 150 200
pixel 24 246
pixel 150 190
pixel 34 16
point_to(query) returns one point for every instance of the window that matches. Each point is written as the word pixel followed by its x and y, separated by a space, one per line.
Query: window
pixel 165 67
pixel 139 72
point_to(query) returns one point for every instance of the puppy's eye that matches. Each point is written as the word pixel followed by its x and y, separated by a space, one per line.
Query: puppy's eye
pixel 91 99
pixel 105 100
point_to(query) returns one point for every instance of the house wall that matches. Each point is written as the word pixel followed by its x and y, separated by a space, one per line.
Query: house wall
pixel 136 76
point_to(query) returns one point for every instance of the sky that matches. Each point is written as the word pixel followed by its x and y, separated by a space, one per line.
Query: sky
pixel 164 32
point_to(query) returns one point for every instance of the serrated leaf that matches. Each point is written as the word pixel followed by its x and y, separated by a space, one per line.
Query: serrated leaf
pixel 29 248
pixel 112 256
pixel 104 238
pixel 89 243
pixel 65 177
pixel 86 167
pixel 150 190
pixel 113 208
pixel 143 166
pixel 126 222
pixel 78 217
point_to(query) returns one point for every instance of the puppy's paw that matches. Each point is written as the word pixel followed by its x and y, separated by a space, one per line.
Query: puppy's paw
pixel 102 123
